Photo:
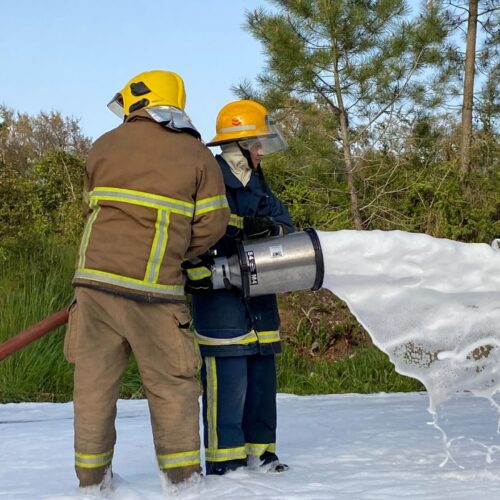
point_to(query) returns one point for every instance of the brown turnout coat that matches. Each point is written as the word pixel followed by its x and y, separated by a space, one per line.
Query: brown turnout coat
pixel 155 198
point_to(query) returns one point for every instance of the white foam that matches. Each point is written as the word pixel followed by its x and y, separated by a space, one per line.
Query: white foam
pixel 433 305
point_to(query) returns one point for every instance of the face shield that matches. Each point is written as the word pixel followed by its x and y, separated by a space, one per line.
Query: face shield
pixel 116 105
pixel 265 144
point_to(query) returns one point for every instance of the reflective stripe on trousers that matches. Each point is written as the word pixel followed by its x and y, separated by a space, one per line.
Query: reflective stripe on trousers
pixel 93 460
pixel 182 459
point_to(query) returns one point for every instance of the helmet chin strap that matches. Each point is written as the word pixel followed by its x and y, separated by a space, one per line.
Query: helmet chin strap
pixel 248 157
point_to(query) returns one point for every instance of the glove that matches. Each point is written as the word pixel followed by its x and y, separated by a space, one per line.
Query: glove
pixel 259 227
pixel 198 274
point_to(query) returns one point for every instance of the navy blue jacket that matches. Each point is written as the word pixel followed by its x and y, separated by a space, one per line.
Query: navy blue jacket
pixel 225 323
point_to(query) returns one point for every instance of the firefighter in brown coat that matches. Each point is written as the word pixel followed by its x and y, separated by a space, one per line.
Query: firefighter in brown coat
pixel 155 197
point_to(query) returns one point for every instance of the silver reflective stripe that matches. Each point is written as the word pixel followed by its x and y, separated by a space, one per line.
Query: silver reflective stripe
pixel 158 248
pixel 198 273
pixel 112 279
pixel 210 204
pixel 86 234
pixel 184 459
pixel 268 337
pixel 141 199
pixel 93 460
pixel 238 128
pixel 211 369
pixel 248 338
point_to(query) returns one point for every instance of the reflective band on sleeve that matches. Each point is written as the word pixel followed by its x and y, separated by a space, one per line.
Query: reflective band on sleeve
pixel 115 279
pixel 238 128
pixel 225 454
pixel 93 460
pixel 198 273
pixel 268 337
pixel 210 204
pixel 183 459
pixel 248 338
pixel 235 221
pixel 211 369
pixel 159 246
pixel 257 449
pixel 142 199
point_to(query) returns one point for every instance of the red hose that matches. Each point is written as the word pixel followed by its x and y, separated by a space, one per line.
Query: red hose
pixel 33 333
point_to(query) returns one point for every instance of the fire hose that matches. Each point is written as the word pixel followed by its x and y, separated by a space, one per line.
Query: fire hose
pixel 259 267
pixel 32 333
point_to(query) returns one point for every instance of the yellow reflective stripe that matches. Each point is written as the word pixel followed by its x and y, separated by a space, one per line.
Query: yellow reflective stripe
pixel 86 235
pixel 258 449
pixel 93 460
pixel 210 204
pixel 159 246
pixel 235 221
pixel 248 338
pixel 143 199
pixel 211 369
pixel 224 454
pixel 268 337
pixel 124 281
pixel 183 459
pixel 164 206
pixel 198 273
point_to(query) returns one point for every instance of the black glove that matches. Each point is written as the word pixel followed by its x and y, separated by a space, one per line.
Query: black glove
pixel 198 276
pixel 259 227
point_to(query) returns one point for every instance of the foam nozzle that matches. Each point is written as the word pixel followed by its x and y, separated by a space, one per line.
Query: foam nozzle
pixel 273 265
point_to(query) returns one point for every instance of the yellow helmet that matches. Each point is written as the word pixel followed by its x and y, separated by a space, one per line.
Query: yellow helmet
pixel 147 89
pixel 247 123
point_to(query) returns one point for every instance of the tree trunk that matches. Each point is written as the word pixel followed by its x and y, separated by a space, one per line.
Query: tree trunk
pixel 467 106
pixel 346 146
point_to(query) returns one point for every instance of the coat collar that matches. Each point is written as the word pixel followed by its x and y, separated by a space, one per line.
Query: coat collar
pixel 230 179
pixel 140 114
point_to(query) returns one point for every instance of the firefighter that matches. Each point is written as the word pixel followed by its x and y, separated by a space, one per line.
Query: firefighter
pixel 154 197
pixel 239 338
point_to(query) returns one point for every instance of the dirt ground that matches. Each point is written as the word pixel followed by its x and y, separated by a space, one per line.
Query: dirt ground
pixel 319 325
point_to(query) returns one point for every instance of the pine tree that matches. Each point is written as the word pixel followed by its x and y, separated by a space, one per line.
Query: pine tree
pixel 467 16
pixel 357 59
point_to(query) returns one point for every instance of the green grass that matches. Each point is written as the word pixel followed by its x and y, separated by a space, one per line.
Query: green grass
pixel 368 370
pixel 34 283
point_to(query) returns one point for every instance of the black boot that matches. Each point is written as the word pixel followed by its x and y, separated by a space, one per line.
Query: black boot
pixel 220 468
pixel 271 462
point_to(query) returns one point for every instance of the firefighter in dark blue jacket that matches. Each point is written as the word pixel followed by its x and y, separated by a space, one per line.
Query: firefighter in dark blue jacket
pixel 238 338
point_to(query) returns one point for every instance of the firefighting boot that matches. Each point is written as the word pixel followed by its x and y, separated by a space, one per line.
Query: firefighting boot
pixel 180 474
pixel 220 468
pixel 270 463
pixel 98 479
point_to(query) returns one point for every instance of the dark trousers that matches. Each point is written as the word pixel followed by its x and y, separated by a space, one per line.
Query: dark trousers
pixel 239 408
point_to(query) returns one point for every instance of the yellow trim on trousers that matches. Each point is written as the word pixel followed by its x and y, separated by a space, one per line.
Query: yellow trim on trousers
pixel 182 459
pixel 93 460
pixel 211 368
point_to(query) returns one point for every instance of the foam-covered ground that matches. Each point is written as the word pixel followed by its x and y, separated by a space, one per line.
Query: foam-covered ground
pixel 375 447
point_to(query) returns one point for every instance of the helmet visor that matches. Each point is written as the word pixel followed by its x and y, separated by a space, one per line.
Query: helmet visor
pixel 265 144
pixel 116 105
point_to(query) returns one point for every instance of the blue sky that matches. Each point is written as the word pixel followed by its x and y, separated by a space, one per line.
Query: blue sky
pixel 72 56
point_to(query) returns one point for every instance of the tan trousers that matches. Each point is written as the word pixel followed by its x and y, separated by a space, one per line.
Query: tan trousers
pixel 103 330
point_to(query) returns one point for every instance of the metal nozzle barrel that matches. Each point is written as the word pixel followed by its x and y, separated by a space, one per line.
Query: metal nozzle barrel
pixel 272 265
